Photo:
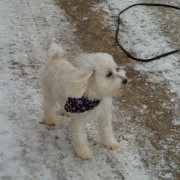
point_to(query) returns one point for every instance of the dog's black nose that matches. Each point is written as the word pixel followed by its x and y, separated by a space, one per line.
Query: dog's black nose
pixel 125 81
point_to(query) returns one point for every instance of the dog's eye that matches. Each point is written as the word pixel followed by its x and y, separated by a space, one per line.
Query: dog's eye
pixel 109 74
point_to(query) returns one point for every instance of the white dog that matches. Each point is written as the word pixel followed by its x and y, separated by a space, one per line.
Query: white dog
pixel 83 92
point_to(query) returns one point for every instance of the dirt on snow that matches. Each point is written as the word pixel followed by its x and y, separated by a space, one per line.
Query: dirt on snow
pixel 156 119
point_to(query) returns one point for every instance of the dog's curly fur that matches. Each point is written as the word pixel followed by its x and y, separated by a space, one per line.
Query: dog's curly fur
pixel 96 77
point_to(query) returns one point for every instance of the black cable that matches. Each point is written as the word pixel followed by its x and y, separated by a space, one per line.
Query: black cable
pixel 124 50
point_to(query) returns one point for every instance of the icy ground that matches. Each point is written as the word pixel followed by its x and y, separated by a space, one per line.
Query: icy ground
pixel 141 34
pixel 148 32
pixel 28 148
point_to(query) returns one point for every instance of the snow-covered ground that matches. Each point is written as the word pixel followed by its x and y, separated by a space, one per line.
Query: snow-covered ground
pixel 141 34
pixel 28 148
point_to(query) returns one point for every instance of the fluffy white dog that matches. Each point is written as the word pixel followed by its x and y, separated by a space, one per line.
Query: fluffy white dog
pixel 83 92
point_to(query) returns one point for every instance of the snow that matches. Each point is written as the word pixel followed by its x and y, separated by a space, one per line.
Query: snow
pixel 141 34
pixel 144 37
pixel 176 122
pixel 28 148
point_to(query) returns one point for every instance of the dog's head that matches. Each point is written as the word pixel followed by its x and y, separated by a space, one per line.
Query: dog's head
pixel 98 76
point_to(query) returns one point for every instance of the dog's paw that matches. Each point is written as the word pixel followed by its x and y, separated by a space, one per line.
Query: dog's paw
pixel 50 121
pixel 112 144
pixel 83 152
pixel 64 113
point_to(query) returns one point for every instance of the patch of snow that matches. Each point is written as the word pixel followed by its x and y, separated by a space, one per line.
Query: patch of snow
pixel 140 33
pixel 176 122
pixel 28 148
pixel 143 36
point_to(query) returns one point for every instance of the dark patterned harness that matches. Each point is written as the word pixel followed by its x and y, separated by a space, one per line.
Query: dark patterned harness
pixel 80 105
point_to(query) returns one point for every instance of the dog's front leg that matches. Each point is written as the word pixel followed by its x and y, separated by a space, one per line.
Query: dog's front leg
pixel 80 138
pixel 105 129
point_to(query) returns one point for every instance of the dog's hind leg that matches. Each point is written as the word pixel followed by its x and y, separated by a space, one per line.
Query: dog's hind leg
pixel 80 138
pixel 49 112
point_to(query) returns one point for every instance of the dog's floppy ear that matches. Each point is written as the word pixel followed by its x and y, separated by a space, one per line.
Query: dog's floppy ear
pixel 78 83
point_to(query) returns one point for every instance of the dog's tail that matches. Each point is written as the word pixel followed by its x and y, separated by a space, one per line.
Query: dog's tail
pixel 55 52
